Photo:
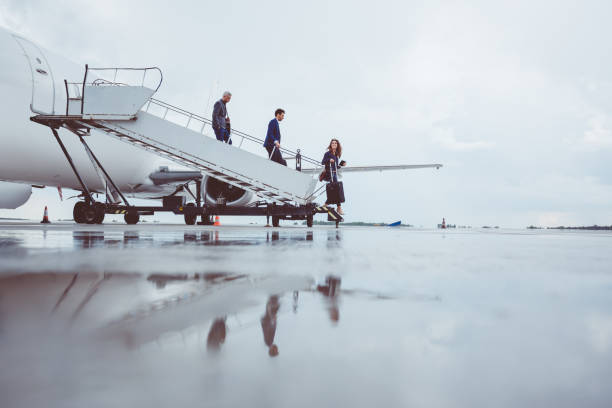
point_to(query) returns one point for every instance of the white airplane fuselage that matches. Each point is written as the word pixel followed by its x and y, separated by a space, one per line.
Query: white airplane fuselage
pixel 32 78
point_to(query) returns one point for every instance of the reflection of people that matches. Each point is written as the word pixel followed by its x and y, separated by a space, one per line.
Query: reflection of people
pixel 331 161
pixel 268 325
pixel 273 138
pixel 296 296
pixel 216 334
pixel 331 290
pixel 220 119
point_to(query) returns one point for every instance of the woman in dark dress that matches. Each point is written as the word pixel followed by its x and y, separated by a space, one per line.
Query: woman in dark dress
pixel 331 161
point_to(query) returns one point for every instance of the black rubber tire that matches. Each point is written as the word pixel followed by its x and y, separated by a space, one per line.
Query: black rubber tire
pixel 100 212
pixel 190 219
pixel 77 212
pixel 131 218
pixel 275 221
pixel 309 221
pixel 89 214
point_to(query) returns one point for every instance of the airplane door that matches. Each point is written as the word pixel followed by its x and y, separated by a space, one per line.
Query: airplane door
pixel 43 85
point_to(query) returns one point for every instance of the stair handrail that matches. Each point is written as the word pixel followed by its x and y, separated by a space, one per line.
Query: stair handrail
pixel 144 70
pixel 205 121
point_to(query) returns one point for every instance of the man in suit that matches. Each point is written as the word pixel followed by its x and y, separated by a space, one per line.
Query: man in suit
pixel 268 325
pixel 220 119
pixel 273 137
pixel 216 334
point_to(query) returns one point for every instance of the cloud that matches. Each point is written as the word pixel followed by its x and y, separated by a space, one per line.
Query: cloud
pixel 599 132
pixel 554 219
pixel 445 138
pixel 599 333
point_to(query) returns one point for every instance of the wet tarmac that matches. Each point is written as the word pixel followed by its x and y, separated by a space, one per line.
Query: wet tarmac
pixel 173 315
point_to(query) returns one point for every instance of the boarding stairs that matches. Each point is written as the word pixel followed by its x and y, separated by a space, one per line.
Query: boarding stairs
pixel 129 112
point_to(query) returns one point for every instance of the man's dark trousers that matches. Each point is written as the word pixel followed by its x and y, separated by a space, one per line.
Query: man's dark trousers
pixel 276 156
pixel 222 135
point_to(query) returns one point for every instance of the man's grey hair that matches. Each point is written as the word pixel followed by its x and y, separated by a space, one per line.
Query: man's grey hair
pixel 227 93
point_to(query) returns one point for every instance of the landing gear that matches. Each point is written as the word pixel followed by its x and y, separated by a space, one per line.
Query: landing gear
pixel 131 218
pixel 190 219
pixel 275 221
pixel 84 213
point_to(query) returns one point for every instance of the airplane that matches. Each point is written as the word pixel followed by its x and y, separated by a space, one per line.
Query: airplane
pixel 34 81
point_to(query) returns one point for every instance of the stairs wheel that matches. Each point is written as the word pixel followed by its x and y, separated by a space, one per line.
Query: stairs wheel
pixel 89 213
pixel 131 218
pixel 190 219
pixel 100 210
pixel 275 221
pixel 309 221
pixel 78 212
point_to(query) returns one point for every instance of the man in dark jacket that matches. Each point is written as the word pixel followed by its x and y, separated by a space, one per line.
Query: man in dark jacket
pixel 273 137
pixel 220 119
pixel 268 325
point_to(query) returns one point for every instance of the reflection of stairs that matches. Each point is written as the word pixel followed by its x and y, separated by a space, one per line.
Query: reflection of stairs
pixel 115 109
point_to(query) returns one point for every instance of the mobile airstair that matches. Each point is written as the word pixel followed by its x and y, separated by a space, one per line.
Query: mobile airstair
pixel 128 112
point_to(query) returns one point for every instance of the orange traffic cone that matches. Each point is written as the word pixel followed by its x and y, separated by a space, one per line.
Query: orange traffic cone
pixel 217 221
pixel 45 219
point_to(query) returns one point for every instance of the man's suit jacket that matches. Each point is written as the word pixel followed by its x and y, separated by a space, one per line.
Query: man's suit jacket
pixel 273 134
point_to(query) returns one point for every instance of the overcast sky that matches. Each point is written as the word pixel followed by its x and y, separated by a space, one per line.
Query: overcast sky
pixel 514 98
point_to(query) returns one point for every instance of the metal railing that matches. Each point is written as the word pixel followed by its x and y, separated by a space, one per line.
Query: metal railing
pixel 116 71
pixel 101 81
pixel 198 123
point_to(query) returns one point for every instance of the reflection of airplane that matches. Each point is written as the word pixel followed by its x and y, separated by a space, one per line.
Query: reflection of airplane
pixel 34 80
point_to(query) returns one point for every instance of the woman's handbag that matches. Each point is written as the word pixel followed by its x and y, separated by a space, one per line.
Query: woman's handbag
pixel 322 175
pixel 335 192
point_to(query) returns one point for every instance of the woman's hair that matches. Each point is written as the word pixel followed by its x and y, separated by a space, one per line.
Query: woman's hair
pixel 338 149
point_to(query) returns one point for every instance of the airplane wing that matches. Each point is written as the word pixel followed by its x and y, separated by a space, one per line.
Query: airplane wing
pixel 351 169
